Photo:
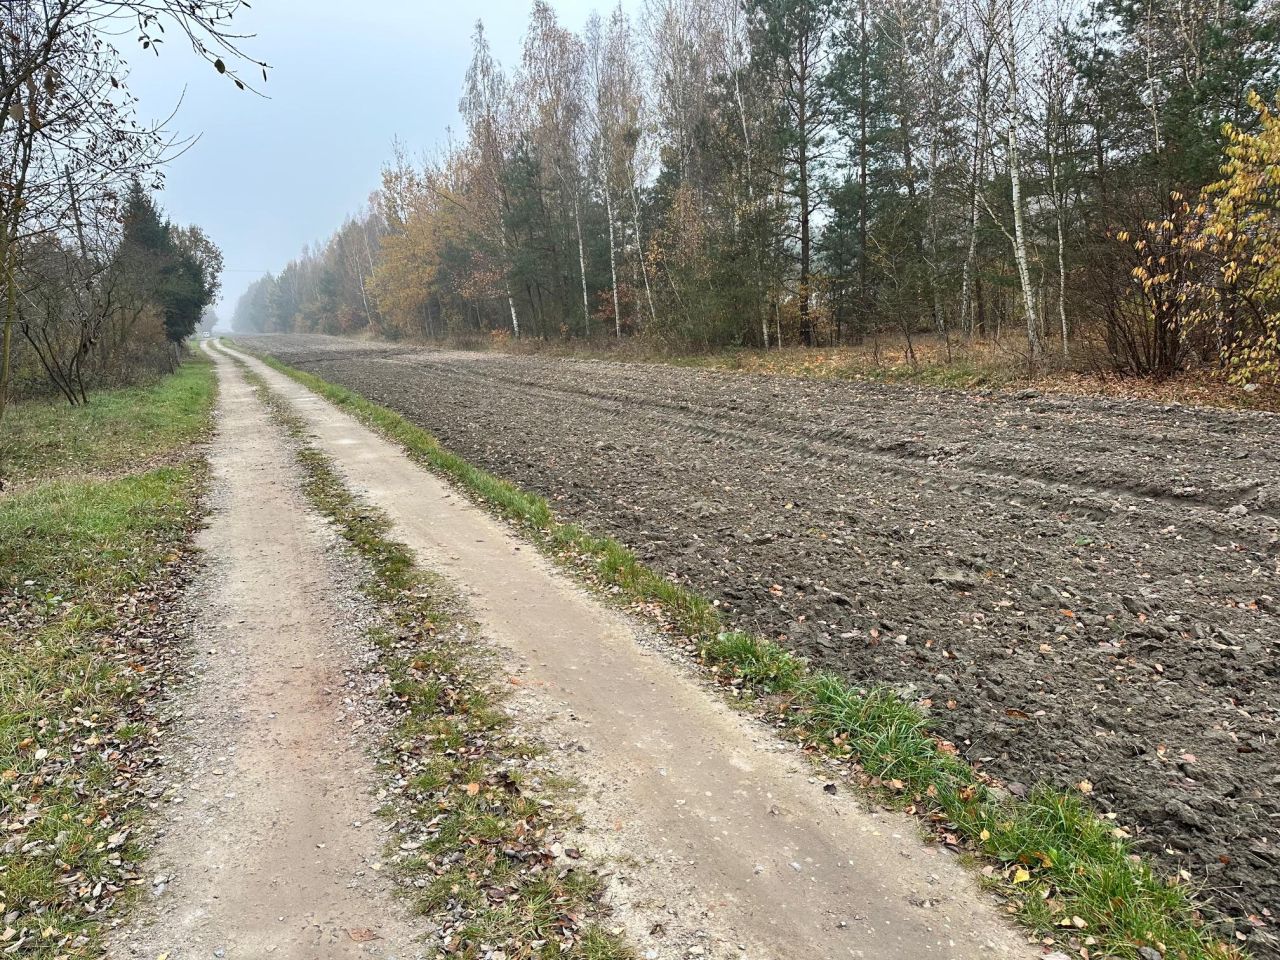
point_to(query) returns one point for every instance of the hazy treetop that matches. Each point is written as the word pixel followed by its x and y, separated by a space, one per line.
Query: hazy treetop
pixel 272 173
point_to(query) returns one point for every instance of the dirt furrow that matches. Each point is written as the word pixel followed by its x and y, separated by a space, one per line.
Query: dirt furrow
pixel 1085 432
pixel 841 446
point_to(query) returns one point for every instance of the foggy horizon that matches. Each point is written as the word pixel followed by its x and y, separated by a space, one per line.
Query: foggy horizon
pixel 268 174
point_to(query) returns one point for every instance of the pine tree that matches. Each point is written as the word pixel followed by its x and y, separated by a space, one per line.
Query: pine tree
pixel 791 48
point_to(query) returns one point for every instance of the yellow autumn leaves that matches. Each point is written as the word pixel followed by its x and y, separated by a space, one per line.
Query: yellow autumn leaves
pixel 1216 265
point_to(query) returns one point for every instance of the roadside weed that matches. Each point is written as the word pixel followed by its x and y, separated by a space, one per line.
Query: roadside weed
pixel 760 663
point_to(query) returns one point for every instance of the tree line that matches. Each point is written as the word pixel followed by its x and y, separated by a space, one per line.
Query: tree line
pixel 773 172
pixel 96 287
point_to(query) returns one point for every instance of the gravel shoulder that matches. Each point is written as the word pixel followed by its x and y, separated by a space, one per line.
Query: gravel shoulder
pixel 720 843
pixel 1082 591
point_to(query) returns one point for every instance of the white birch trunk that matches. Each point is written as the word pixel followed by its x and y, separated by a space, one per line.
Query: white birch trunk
pixel 364 299
pixel 1019 226
pixel 1062 288
pixel 1058 202
pixel 582 268
pixel 746 137
pixel 511 303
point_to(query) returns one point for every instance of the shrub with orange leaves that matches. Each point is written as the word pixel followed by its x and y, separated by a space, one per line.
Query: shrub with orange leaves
pixel 1147 321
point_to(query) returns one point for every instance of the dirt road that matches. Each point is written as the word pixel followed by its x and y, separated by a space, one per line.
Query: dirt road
pixel 1081 590
pixel 723 844
pixel 270 836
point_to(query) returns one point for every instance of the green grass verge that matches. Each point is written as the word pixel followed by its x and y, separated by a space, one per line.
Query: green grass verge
pixel 482 866
pixel 1071 874
pixel 89 538
pixel 88 567
pixel 117 429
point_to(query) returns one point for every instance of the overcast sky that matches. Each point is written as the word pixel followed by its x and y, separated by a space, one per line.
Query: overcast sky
pixel 272 173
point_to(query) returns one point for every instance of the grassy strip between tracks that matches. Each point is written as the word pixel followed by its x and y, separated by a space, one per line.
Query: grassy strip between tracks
pixel 94 551
pixel 476 815
pixel 1071 874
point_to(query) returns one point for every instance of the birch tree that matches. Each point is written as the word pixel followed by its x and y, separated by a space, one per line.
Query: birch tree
pixel 1016 29
pixel 484 106
pixel 614 125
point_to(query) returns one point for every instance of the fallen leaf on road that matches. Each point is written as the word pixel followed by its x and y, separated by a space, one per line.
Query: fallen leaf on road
pixel 362 934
